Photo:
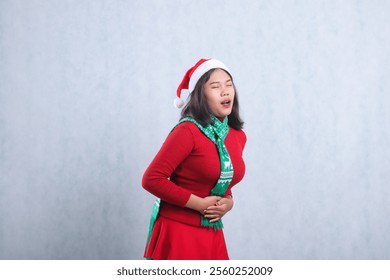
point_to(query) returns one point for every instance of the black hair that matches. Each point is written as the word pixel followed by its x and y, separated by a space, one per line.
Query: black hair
pixel 198 109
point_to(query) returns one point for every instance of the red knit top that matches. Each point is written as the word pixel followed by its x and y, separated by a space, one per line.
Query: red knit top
pixel 188 163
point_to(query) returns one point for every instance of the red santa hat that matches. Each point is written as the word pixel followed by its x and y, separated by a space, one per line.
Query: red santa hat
pixel 193 75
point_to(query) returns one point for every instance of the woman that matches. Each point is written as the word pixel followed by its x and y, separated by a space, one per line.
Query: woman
pixel 196 167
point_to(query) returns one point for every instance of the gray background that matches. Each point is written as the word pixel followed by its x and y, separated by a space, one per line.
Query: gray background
pixel 86 92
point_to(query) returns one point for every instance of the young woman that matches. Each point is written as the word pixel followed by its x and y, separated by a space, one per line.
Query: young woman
pixel 196 167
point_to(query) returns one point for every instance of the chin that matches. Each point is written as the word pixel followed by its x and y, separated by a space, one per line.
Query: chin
pixel 222 115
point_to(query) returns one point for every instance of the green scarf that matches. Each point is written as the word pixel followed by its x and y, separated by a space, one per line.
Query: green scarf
pixel 217 133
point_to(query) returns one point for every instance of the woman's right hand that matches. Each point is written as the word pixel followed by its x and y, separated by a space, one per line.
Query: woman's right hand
pixel 200 204
pixel 209 201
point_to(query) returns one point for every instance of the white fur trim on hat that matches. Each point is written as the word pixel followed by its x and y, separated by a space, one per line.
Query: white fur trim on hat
pixel 202 69
pixel 192 77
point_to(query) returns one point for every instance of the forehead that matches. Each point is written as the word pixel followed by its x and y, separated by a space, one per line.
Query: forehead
pixel 219 75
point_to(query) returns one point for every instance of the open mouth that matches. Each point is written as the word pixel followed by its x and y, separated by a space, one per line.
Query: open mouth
pixel 226 102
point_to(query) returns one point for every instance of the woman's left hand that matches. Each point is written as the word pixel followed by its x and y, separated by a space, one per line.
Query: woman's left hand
pixel 216 212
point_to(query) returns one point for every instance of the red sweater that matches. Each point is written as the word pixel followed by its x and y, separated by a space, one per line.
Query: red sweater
pixel 188 163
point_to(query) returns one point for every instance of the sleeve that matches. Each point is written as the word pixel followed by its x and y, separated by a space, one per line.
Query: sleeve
pixel 174 150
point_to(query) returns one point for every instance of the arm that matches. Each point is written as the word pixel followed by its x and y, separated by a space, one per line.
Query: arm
pixel 175 149
pixel 177 146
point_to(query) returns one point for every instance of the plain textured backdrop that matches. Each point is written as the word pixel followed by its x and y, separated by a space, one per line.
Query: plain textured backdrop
pixel 86 92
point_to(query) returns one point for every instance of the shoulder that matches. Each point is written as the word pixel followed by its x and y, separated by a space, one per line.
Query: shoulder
pixel 187 127
pixel 185 132
pixel 180 138
pixel 182 129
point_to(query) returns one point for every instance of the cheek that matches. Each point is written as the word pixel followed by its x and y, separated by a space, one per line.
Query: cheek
pixel 211 103
pixel 211 98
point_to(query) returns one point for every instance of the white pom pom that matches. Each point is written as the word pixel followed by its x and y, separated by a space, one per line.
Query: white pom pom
pixel 178 102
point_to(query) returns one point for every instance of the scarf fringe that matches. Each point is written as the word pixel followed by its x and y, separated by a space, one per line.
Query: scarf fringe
pixel 206 223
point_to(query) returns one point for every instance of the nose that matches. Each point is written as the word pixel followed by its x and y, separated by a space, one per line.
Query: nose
pixel 225 91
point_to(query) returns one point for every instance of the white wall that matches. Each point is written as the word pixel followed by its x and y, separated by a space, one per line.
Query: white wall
pixel 86 92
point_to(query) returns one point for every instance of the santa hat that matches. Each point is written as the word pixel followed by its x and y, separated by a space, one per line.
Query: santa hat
pixel 193 75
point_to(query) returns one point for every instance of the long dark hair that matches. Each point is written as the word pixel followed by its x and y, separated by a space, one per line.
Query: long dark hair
pixel 198 109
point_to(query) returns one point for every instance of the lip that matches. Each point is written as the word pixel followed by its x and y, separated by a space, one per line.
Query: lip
pixel 226 103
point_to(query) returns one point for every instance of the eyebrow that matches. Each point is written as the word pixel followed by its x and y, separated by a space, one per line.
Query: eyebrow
pixel 217 82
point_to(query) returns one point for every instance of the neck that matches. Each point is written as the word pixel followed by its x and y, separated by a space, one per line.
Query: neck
pixel 221 119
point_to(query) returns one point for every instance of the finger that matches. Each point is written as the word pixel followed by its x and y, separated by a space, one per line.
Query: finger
pixel 216 210
pixel 212 216
pixel 213 212
pixel 215 220
pixel 211 209
pixel 216 207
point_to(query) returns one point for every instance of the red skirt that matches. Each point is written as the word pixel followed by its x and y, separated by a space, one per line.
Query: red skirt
pixel 172 240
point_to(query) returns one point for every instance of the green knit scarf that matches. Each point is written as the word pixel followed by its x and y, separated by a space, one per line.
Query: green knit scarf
pixel 217 133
